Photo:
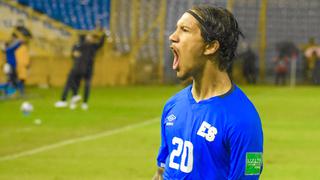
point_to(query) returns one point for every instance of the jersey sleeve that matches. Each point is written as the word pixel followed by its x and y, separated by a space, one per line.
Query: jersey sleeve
pixel 14 46
pixel 245 141
pixel 163 150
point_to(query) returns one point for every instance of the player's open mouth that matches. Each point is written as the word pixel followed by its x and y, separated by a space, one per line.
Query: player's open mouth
pixel 175 59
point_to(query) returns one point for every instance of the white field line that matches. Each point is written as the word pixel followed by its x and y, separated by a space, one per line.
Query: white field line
pixel 76 140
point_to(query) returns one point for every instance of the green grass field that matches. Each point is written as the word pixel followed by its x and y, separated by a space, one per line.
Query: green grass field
pixel 290 117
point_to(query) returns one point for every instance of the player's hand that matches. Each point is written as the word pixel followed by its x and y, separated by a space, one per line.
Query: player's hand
pixel 76 54
pixel 158 175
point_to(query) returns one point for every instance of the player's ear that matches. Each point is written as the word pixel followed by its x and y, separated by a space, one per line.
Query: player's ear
pixel 211 48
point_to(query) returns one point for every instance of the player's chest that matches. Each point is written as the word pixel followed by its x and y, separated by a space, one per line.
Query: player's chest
pixel 198 125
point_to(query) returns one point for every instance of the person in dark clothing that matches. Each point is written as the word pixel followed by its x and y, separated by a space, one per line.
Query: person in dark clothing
pixel 71 80
pixel 281 70
pixel 249 65
pixel 84 64
pixel 83 54
pixel 316 69
pixel 286 51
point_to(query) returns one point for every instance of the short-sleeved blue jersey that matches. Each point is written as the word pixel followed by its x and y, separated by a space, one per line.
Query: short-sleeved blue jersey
pixel 217 138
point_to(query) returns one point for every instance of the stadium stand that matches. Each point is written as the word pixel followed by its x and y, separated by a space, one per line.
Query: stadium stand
pixel 82 14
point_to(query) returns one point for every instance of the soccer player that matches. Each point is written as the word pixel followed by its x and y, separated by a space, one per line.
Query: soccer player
pixel 11 48
pixel 209 130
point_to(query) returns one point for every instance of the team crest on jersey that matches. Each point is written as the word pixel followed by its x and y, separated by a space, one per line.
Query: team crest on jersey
pixel 207 131
pixel 170 120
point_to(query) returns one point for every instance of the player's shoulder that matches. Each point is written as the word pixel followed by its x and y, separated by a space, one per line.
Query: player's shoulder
pixel 237 97
pixel 180 96
pixel 240 110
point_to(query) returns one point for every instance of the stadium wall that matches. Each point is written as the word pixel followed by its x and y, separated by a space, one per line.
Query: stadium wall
pixel 110 70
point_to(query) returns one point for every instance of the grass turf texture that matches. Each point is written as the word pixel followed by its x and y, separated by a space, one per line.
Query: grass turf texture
pixel 290 117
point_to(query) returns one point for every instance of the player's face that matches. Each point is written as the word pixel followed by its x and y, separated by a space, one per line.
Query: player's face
pixel 188 47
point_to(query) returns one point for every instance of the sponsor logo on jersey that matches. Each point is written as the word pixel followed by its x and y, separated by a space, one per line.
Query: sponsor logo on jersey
pixel 170 120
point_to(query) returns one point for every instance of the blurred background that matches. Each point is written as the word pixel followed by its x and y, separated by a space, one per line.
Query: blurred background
pixel 277 64
pixel 137 47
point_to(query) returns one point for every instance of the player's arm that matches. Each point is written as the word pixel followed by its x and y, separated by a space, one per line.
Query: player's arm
pixel 100 41
pixel 99 35
pixel 162 156
pixel 163 150
pixel 245 143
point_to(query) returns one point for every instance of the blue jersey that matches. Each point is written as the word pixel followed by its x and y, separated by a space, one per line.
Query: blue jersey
pixel 10 53
pixel 215 139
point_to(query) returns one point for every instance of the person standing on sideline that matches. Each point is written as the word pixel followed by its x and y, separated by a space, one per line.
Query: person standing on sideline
pixel 249 68
pixel 281 69
pixel 316 69
pixel 71 80
pixel 83 55
pixel 210 129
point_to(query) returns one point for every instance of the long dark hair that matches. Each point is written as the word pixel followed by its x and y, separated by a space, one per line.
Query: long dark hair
pixel 218 24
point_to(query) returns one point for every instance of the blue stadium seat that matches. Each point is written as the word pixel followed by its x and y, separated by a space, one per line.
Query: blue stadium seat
pixel 77 14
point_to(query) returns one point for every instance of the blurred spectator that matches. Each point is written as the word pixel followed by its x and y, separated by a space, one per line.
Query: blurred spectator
pixel 83 55
pixel 310 57
pixel 281 70
pixel 249 59
pixel 286 51
pixel 316 69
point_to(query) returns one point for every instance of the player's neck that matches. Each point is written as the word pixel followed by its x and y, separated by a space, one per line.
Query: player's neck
pixel 210 83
